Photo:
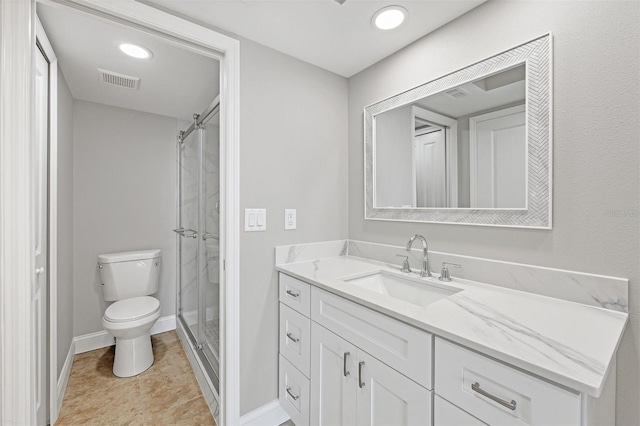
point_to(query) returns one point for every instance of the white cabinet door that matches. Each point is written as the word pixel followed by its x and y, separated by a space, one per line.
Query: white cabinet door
pixel 333 379
pixel 386 397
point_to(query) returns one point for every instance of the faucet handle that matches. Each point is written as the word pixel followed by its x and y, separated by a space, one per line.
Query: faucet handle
pixel 406 267
pixel 444 274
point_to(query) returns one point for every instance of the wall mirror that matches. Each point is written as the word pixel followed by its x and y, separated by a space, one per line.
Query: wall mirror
pixel 472 147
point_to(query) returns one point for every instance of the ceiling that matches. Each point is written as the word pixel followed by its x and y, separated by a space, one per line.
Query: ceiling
pixel 500 89
pixel 339 38
pixel 175 82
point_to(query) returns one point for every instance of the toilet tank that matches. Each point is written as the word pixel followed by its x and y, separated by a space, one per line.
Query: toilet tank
pixel 129 274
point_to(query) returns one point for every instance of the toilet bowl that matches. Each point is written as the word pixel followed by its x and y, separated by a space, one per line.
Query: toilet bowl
pixel 130 321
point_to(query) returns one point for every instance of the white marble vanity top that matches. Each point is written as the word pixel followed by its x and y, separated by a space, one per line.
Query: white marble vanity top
pixel 568 343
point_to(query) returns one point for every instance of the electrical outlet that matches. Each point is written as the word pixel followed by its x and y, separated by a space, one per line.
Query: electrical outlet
pixel 289 219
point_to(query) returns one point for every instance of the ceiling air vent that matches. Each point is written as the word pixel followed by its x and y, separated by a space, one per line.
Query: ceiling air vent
pixel 120 80
pixel 457 93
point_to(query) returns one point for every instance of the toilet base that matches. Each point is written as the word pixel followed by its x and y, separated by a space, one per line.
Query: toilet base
pixel 133 356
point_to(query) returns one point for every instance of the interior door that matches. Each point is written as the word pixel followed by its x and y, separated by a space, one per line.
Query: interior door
pixel 41 233
pixel 498 159
pixel 431 183
pixel 333 379
pixel 386 397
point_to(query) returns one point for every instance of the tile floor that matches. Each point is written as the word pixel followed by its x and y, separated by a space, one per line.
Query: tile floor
pixel 165 394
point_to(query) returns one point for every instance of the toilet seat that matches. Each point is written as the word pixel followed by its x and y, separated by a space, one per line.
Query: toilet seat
pixel 132 309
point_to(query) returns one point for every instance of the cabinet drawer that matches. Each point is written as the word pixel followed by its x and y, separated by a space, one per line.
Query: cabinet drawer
pixel 295 338
pixel 293 392
pixel 447 414
pixel 401 346
pixel 498 394
pixel 295 293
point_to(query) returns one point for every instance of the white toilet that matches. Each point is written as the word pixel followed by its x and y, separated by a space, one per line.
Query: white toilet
pixel 128 279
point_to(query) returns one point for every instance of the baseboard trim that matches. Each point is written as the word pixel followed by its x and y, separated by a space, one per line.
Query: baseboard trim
pixel 164 324
pixel 63 380
pixel 102 339
pixel 271 414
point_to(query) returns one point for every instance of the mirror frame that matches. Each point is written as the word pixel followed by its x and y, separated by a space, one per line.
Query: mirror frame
pixel 537 55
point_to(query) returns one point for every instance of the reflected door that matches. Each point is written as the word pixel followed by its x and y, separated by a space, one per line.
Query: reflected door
pixel 498 155
pixel 431 184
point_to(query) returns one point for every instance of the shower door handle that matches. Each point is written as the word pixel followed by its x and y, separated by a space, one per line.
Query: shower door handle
pixel 189 233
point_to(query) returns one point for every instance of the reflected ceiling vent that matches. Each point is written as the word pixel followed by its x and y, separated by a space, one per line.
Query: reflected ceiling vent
pixel 456 93
pixel 120 80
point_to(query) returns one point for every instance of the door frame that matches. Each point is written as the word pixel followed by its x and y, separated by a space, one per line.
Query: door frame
pixel 52 269
pixel 17 41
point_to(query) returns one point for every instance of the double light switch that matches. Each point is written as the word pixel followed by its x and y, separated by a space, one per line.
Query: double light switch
pixel 255 220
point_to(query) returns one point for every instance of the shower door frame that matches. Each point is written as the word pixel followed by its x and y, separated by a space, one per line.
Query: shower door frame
pixel 199 39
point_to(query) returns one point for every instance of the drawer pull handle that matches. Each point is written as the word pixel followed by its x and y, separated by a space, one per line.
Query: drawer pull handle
pixel 292 294
pixel 293 339
pixel 295 398
pixel 360 382
pixel 344 364
pixel 510 405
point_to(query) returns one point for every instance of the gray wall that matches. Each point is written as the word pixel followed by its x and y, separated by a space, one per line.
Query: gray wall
pixel 124 199
pixel 293 153
pixel 596 155
pixel 394 151
pixel 65 221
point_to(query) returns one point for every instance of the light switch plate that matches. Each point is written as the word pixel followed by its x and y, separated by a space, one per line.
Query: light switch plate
pixel 289 219
pixel 255 220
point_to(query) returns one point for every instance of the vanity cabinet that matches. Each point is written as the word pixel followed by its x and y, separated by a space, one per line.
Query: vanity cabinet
pixel 344 364
pixel 351 387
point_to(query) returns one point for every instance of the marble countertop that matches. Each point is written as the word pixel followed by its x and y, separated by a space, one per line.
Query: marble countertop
pixel 568 343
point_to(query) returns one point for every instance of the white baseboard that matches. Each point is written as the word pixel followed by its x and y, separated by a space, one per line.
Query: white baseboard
pixel 93 341
pixel 164 324
pixel 65 373
pixel 271 414
pixel 102 339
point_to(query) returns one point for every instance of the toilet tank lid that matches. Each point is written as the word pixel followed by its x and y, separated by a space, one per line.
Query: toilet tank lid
pixel 128 256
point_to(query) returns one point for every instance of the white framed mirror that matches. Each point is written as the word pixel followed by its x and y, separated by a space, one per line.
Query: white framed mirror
pixel 472 147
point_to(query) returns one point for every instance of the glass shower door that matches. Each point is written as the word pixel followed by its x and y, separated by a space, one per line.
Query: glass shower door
pixel 199 241
pixel 188 247
pixel 210 243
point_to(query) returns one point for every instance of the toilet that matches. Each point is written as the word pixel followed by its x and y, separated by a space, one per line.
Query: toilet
pixel 129 279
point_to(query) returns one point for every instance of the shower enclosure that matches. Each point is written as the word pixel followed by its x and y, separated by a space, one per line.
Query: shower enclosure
pixel 199 242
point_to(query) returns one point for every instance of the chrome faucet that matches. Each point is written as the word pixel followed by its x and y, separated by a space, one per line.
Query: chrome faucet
pixel 425 271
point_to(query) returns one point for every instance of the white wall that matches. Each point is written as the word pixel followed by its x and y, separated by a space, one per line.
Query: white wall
pixel 596 149
pixel 124 177
pixel 394 148
pixel 293 138
pixel 65 221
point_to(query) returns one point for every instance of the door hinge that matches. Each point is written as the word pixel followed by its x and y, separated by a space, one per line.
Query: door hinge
pixel 224 265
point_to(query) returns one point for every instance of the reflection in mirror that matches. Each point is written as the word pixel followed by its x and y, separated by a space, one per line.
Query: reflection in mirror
pixel 465 147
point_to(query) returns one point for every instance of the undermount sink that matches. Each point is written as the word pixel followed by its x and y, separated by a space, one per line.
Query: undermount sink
pixel 415 291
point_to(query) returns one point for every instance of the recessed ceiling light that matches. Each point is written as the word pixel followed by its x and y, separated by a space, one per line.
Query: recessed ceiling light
pixel 135 51
pixel 389 17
